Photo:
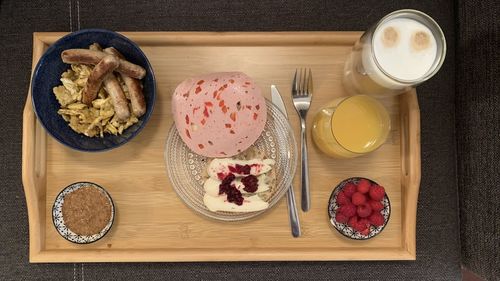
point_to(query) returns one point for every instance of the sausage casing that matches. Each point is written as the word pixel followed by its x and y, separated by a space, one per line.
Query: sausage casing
pixel 87 56
pixel 97 76
pixel 137 100
pixel 120 102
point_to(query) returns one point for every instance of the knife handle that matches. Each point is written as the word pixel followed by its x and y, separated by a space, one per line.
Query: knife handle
pixel 292 212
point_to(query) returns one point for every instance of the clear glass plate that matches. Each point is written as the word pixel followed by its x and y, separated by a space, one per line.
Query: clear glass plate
pixel 185 168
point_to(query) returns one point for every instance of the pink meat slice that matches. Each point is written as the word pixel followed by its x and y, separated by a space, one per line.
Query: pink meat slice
pixel 219 114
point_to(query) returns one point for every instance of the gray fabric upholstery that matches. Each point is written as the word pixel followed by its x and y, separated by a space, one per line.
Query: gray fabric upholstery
pixel 437 225
pixel 478 135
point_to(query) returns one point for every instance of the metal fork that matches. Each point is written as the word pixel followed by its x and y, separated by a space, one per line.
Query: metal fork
pixel 302 89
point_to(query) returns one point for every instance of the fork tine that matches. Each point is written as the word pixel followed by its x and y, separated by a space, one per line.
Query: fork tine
pixel 299 82
pixel 304 84
pixel 309 83
pixel 294 83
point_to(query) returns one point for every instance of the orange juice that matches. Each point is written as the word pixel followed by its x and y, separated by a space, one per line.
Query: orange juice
pixel 351 127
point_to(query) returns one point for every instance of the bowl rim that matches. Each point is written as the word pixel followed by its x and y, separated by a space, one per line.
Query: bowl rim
pixel 148 67
pixel 332 218
pixel 94 185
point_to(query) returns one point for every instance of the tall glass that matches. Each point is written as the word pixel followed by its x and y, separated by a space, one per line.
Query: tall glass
pixel 402 50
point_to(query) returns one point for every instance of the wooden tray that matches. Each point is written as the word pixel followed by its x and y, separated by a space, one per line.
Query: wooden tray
pixel 152 224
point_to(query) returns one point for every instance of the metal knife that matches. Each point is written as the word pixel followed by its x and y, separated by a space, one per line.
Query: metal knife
pixel 290 195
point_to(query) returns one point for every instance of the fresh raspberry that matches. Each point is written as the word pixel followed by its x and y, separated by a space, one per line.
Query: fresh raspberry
pixel 349 189
pixel 376 205
pixel 364 210
pixel 377 219
pixel 364 223
pixel 353 221
pixel 348 210
pixel 361 225
pixel 377 192
pixel 342 199
pixel 366 231
pixel 364 186
pixel 358 199
pixel 341 218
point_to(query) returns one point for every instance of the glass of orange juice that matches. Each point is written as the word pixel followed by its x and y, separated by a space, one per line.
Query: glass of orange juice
pixel 351 126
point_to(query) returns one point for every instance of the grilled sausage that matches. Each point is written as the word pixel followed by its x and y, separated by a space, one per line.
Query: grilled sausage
pixel 97 76
pixel 120 102
pixel 134 87
pixel 86 56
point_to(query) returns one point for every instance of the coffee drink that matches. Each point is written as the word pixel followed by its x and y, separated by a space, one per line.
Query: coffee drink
pixel 404 49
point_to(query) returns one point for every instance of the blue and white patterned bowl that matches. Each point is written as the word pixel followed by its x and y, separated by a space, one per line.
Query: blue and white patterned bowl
pixel 345 229
pixel 48 72
pixel 58 219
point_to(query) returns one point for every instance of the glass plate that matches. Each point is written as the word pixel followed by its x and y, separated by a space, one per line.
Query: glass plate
pixel 185 168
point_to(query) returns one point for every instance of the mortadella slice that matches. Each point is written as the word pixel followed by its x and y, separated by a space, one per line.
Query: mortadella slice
pixel 219 114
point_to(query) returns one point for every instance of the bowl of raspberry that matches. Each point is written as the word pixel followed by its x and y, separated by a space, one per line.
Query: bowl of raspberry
pixel 359 208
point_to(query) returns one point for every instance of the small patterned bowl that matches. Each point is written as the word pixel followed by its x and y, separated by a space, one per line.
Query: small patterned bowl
pixel 48 72
pixel 58 220
pixel 345 229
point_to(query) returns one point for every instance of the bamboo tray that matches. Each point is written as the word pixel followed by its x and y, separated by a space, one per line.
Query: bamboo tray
pixel 152 224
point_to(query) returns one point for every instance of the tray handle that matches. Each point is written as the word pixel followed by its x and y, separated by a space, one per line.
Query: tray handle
pixel 411 165
pixel 33 164
pixel 410 129
pixel 33 174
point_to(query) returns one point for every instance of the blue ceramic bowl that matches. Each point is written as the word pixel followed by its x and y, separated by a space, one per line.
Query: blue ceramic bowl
pixel 48 72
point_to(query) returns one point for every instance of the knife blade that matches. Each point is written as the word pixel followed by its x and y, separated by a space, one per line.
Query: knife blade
pixel 290 195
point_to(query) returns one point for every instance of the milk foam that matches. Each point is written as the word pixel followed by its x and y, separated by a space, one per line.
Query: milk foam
pixel 405 60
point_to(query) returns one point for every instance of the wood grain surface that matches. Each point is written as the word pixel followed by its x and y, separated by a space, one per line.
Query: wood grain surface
pixel 153 224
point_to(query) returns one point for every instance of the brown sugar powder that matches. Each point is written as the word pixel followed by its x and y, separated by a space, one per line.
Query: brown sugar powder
pixel 86 211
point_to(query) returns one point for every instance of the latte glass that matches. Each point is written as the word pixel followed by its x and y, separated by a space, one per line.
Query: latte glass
pixel 402 50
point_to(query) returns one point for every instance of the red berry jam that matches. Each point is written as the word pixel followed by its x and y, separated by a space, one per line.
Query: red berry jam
pixel 228 179
pixel 233 194
pixel 240 169
pixel 251 183
pixel 221 176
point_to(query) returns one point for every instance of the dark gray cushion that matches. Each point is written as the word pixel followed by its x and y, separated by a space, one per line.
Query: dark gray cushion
pixel 478 135
pixel 437 225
